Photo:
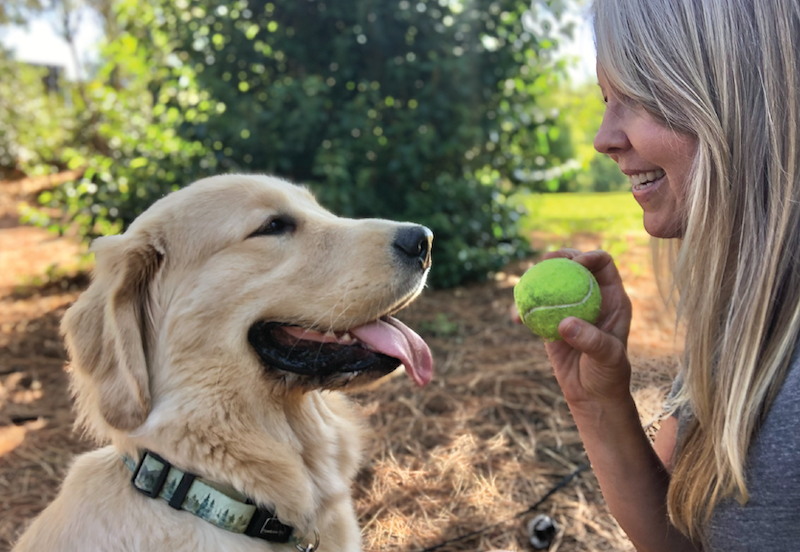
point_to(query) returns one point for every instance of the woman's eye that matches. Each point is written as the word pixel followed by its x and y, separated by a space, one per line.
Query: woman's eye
pixel 275 227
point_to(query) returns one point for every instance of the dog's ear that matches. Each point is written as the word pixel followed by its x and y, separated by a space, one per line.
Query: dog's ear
pixel 107 329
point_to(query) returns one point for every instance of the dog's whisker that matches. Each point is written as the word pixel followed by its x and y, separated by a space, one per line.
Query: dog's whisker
pixel 341 299
pixel 216 384
pixel 315 323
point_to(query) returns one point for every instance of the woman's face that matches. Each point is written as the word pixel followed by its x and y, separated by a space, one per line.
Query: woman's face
pixel 656 159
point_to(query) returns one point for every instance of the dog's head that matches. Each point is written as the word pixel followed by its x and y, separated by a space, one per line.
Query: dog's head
pixel 239 290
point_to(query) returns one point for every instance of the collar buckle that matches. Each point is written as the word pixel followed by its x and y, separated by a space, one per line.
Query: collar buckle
pixel 265 525
pixel 150 474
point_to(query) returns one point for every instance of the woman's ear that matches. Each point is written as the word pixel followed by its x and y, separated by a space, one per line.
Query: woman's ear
pixel 106 332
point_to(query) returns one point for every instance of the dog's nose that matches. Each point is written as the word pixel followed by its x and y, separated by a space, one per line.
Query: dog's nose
pixel 414 244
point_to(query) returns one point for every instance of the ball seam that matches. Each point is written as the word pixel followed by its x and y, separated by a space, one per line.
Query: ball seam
pixel 579 303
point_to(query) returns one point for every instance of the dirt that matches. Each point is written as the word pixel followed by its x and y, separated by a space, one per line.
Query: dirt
pixel 485 440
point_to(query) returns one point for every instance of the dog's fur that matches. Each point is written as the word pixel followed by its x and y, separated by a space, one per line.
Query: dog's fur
pixel 160 361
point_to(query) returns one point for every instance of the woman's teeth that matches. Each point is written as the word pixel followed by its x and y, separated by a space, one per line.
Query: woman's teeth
pixel 642 180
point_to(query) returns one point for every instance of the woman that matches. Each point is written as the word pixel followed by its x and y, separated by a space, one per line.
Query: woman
pixel 703 115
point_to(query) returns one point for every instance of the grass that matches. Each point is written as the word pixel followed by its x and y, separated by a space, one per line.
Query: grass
pixel 614 212
pixel 612 215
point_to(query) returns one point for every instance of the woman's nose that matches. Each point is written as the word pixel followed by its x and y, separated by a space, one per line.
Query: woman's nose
pixel 611 138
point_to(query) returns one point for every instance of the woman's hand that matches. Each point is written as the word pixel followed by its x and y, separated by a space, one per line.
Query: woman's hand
pixel 591 362
pixel 592 368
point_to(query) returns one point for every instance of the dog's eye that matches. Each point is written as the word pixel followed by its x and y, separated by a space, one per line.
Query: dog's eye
pixel 275 226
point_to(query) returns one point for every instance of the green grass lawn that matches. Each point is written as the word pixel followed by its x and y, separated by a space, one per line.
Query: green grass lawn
pixel 609 212
pixel 613 215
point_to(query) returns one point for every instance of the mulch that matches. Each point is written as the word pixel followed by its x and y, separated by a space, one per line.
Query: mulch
pixel 485 440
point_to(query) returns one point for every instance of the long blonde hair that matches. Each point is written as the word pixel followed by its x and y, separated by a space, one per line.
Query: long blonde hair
pixel 727 72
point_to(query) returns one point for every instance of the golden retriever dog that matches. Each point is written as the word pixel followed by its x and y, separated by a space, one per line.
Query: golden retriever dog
pixel 207 354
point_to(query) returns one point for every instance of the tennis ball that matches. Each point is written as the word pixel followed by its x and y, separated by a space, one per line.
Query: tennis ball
pixel 551 291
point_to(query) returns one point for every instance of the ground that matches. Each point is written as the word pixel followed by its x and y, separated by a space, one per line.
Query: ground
pixel 484 441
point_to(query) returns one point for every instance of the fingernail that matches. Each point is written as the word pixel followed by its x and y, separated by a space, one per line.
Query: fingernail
pixel 571 329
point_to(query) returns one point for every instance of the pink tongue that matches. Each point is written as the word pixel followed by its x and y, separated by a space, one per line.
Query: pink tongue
pixel 393 338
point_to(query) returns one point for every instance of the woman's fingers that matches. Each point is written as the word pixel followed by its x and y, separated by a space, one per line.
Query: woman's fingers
pixel 601 264
pixel 590 361
pixel 615 311
pixel 600 373
pixel 598 262
pixel 603 348
pixel 562 254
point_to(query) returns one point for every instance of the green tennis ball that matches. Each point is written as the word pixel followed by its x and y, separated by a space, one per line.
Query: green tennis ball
pixel 551 291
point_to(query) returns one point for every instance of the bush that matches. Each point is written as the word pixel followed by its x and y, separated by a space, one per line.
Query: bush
pixel 422 111
pixel 580 112
pixel 35 126
pixel 132 152
pixel 417 111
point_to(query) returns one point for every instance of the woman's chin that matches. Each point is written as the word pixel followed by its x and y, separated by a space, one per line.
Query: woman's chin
pixel 662 227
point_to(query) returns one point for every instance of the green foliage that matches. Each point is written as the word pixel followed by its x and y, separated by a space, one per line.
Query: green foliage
pixel 423 111
pixel 580 112
pixel 602 175
pixel 132 152
pixel 440 326
pixel 419 111
pixel 34 126
pixel 16 11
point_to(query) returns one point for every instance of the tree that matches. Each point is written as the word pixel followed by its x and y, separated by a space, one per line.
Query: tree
pixel 170 488
pixel 580 111
pixel 205 507
pixel 423 111
pixel 222 517
pixel 35 125
pixel 18 11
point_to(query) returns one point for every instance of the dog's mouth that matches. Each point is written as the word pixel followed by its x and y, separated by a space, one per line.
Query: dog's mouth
pixel 375 348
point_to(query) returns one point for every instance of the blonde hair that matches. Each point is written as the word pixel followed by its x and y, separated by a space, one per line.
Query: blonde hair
pixel 728 73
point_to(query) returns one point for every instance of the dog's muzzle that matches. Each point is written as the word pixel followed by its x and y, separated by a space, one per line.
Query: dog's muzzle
pixel 333 360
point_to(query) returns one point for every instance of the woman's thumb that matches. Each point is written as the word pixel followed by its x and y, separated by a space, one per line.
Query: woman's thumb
pixel 588 339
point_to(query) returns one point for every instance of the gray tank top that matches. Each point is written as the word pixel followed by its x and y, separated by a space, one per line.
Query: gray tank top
pixel 770 520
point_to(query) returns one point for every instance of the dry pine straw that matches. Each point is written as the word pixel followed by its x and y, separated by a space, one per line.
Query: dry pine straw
pixel 488 437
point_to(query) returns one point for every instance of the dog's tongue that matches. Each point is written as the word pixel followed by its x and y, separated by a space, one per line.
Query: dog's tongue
pixel 393 338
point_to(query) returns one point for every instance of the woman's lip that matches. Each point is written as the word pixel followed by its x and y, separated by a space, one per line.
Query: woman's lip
pixel 642 195
pixel 632 172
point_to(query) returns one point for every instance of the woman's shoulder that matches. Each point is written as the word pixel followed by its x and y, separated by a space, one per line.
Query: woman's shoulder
pixel 773 477
pixel 773 481
pixel 782 422
pixel 784 413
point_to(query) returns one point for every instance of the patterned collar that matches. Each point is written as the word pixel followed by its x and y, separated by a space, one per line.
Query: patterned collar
pixel 156 478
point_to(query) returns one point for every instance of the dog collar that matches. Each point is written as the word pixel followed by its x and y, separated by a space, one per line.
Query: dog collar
pixel 156 478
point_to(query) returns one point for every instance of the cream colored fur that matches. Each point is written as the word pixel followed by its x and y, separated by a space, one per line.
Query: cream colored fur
pixel 160 361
